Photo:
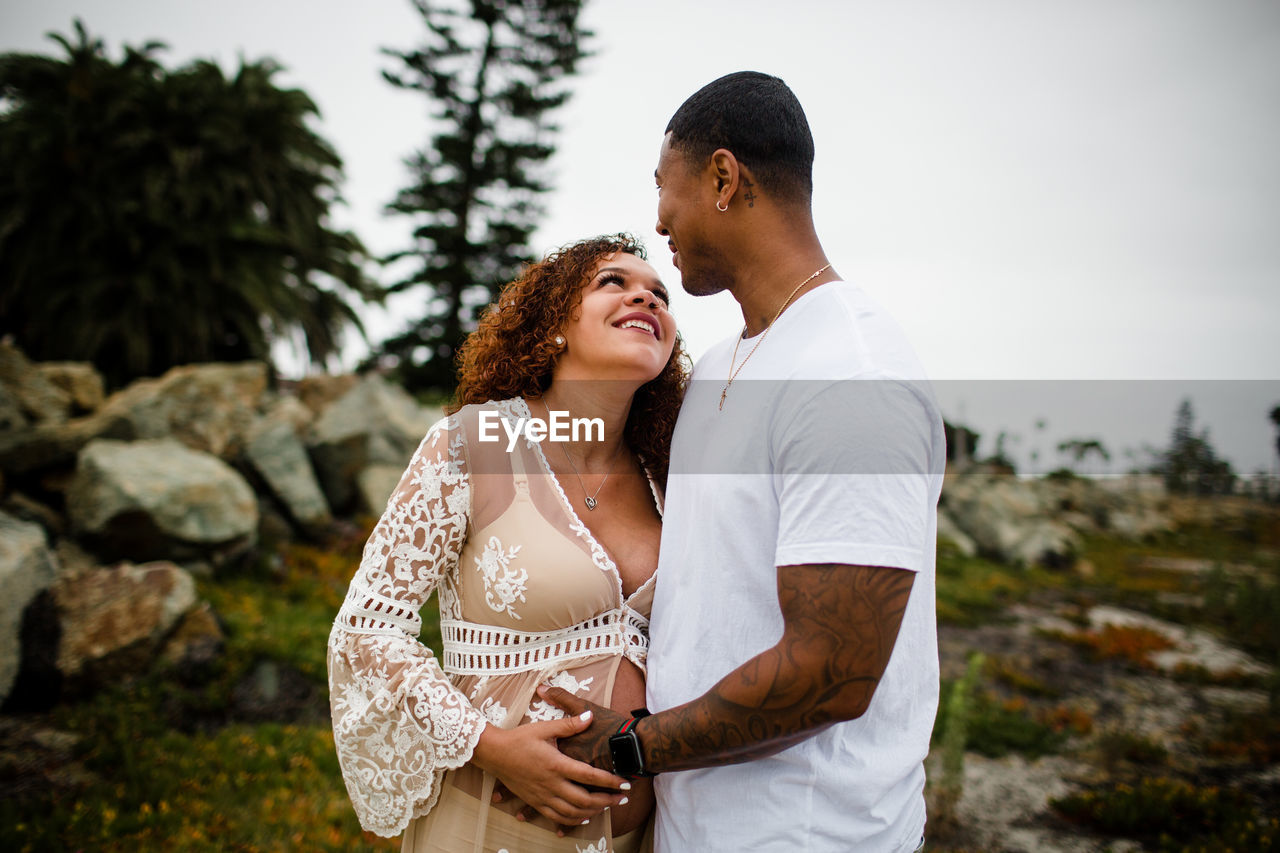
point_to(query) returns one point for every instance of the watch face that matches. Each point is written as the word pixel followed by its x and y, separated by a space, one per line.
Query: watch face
pixel 625 751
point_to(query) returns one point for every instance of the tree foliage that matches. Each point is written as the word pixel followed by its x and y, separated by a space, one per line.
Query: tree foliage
pixel 1080 449
pixel 153 217
pixel 493 73
pixel 1190 465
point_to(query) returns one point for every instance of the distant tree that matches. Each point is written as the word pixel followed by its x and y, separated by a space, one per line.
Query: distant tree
pixel 153 217
pixel 1275 420
pixel 1080 449
pixel 1190 465
pixel 961 442
pixel 493 74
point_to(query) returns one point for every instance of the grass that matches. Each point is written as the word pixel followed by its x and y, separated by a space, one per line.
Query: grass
pixel 178 772
pixel 1172 815
pixel 974 591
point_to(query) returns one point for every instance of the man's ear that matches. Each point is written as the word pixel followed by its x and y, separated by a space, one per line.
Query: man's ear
pixel 726 172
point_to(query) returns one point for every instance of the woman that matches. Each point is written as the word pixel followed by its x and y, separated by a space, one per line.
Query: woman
pixel 542 555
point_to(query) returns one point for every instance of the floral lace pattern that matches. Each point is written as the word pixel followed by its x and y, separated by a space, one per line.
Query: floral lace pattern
pixel 503 585
pixel 398 722
pixel 543 710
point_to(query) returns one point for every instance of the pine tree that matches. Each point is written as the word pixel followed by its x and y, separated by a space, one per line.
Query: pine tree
pixel 493 74
pixel 1190 465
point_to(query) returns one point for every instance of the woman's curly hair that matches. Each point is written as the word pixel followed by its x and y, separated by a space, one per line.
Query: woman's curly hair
pixel 512 351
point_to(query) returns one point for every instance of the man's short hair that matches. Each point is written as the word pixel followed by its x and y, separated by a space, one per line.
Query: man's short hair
pixel 760 120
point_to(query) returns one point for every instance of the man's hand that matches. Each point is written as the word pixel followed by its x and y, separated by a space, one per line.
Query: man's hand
pixel 526 760
pixel 591 745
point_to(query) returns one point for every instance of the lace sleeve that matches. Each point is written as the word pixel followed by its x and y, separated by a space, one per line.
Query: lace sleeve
pixel 398 723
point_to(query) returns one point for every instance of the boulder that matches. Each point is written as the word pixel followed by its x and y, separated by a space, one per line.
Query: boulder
pixel 196 643
pixel 207 407
pixel 1010 520
pixel 375 423
pixel 159 499
pixel 375 484
pixel 318 392
pixel 114 620
pixel 27 567
pixel 55 443
pixel 82 383
pixel 27 390
pixel 279 457
pixel 947 529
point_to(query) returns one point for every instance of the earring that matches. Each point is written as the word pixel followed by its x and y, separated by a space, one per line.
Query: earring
pixel 559 339
pixel 724 209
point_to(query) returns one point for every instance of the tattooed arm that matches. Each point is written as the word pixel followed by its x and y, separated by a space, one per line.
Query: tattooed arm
pixel 840 623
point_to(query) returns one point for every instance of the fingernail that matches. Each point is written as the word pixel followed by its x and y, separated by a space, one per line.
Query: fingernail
pixel 586 715
pixel 542 690
pixel 587 821
pixel 622 802
pixel 626 786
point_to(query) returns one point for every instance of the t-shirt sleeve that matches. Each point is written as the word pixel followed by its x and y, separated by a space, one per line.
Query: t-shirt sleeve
pixel 856 474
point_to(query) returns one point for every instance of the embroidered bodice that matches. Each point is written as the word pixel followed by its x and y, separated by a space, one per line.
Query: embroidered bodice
pixel 526 595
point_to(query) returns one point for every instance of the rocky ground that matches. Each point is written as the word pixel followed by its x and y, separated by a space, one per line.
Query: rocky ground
pixel 1190 708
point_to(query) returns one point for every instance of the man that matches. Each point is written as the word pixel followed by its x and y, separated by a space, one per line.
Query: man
pixel 793 666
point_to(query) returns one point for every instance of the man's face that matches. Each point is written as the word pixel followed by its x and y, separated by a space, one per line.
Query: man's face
pixel 686 211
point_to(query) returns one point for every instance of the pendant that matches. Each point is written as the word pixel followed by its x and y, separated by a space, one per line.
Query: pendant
pixel 591 502
pixel 723 394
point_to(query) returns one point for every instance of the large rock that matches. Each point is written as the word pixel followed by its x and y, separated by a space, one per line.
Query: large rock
pixel 207 407
pixel 279 457
pixel 947 529
pixel 318 392
pixel 82 383
pixel 1010 520
pixel 27 391
pixel 55 443
pixel 159 499
pixel 27 567
pixel 115 620
pixel 375 423
pixel 375 485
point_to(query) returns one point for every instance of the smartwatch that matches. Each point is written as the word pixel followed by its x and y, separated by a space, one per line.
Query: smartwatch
pixel 624 748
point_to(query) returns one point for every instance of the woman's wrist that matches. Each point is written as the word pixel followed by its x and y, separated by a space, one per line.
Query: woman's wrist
pixel 489 748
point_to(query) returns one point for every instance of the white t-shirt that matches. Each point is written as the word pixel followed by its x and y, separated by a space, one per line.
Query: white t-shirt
pixel 829 449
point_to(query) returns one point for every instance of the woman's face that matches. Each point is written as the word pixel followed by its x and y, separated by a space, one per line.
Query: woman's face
pixel 622 329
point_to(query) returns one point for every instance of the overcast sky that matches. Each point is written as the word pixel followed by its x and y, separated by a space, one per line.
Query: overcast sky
pixel 1060 190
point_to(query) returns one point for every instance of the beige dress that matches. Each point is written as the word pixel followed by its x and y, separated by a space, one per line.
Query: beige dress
pixel 527 597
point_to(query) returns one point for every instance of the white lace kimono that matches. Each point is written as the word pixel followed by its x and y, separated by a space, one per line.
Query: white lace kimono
pixel 527 596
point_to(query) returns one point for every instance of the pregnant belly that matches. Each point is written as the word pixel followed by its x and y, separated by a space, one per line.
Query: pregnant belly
pixel 628 694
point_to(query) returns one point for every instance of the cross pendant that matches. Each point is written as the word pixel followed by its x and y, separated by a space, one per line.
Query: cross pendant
pixel 723 394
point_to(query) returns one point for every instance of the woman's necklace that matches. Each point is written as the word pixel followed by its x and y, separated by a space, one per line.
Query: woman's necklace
pixel 590 499
pixel 733 374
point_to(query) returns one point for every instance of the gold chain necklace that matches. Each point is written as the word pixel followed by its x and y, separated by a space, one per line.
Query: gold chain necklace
pixel 590 500
pixel 733 374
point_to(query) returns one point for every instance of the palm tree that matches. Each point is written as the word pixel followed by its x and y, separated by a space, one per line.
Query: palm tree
pixel 150 218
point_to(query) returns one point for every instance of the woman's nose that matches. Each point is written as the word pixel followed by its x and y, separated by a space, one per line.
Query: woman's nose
pixel 645 296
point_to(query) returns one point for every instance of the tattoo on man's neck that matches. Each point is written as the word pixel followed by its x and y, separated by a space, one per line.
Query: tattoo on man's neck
pixel 749 195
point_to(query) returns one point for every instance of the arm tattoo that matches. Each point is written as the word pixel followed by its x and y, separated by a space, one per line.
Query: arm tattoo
pixel 840 625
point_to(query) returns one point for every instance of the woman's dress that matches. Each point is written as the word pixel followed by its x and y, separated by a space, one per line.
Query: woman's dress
pixel 527 596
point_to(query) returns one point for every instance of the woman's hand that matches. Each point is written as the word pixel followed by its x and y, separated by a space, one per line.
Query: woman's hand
pixel 533 769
